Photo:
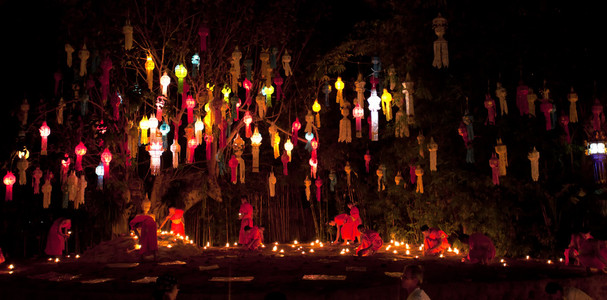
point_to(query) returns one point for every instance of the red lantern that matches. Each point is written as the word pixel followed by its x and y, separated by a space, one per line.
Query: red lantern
pixel 208 139
pixel 80 151
pixel 247 86
pixel 233 163
pixel 314 145
pixel 106 158
pixel 367 160
pixel 294 129
pixel 9 180
pixel 358 112
pixel 190 104
pixel 45 131
pixel 318 185
pixel 285 161
pixel 192 144
pixel 313 166
pixel 247 120
pixel 159 105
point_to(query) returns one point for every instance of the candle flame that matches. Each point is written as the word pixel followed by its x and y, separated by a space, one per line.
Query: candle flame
pixel 275 248
pixel 407 252
pixel 11 266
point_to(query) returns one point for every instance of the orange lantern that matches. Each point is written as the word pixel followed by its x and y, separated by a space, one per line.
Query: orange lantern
pixel 9 180
pixel 45 131
pixel 149 67
pixel 80 151
pixel 339 85
pixel 106 158
pixel 316 108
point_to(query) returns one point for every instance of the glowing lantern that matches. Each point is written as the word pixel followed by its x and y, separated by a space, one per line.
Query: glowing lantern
pixel 294 131
pixel 155 154
pixel 164 130
pixel 226 91
pixel 572 97
pixel 313 166
pixel 419 172
pixel 374 107
pixel 358 112
pixel 153 123
pixel 316 108
pixel 286 60
pixel 246 83
pixel 9 180
pixel 80 151
pixel 285 161
pixel 165 80
pixel 398 178
pixel 144 125
pixel 326 89
pixel 100 173
pixel 69 50
pixel 367 158
pixel 502 152
pixel 190 104
pixel 318 183
pixel 255 143
pixel 501 94
pixel 314 145
pixel 386 104
pixel 127 30
pixel 233 163
pixel 159 105
pixel 288 147
pixel 490 106
pixel 181 72
pixel 195 64
pixel 192 144
pixel 106 158
pixel 307 183
pixel 534 157
pixel 268 91
pixel 176 149
pixel 276 145
pixel 45 131
pixel 339 85
pixel 203 32
pixel 84 55
pixel 278 81
pixel 309 137
pixel 247 121
pixel 208 139
pixel 348 170
pixel 380 174
pixel 272 184
pixel 432 148
pixel 261 106
pixel 198 128
pixel 22 165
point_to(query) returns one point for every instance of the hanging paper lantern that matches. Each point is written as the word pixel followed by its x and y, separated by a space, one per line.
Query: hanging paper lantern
pixel 99 170
pixel 69 50
pixel 316 108
pixel 266 70
pixel 521 98
pixel 234 106
pixel 502 152
pixel 165 80
pixel 278 81
pixel 60 108
pixel 360 90
pixel 80 151
pixel 398 178
pixel 268 91
pixel 531 98
pixel 564 121
pixel 326 89
pixel 47 188
pixel 339 85
pixel 190 104
pixel 490 106
pixel 203 33
pixel 195 64
pixel 144 125
pixel 501 94
pixel 348 170
pixel 309 121
pixel 432 148
pixel 367 158
pixel 153 123
pixel 386 104
pixel 419 172
pixel 160 101
pixel 374 107
pixel 380 183
pixel 22 165
pixel 247 121
pixel 412 176
pixel 420 141
pixel 233 163
pixel 208 138
pixel 155 154
pixel 409 92
pixel 309 137
pixel 45 131
pixel 181 72
pixel 313 166
pixel 376 69
pixel 572 97
pixel 546 108
pixel 358 112
pixel 65 167
pixel 261 106
pixel 272 184
pixel 164 130
pixel 314 145
pixel 333 180
pixel 307 183
pixel 494 164
pixel 176 149
pixel 106 67
pixel 598 117
pixel 534 157
pixel 294 131
pixel 288 147
pixel 318 183
pixel 255 143
pixel 441 50
pixel 84 55
pixel 276 145
pixel 246 83
pixel 198 128
pixel 285 161
pixel 25 107
pixel 106 158
pixel 36 175
pixel 226 91
pixel 192 144
pixel 9 180
pixel 345 126
pixel 286 60
pixel 127 30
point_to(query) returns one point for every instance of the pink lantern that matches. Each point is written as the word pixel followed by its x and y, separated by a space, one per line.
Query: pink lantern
pixel 208 139
pixel 233 163
pixel 203 32
pixel 190 104
pixel 367 160
pixel 313 166
pixel 285 160
pixel 247 86
pixel 546 108
pixel 318 183
pixel 247 120
pixel 294 131
pixel 278 81
pixel 192 144
pixel 358 112
pixel 80 151
pixel 45 131
pixel 65 167
pixel 314 144
pixel 106 158
pixel 9 180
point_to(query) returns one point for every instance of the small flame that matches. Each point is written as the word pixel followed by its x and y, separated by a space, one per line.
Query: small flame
pixel 456 250
pixel 208 244
pixel 169 246
pixel 502 260
pixel 527 257
pixel 295 242
pixel 276 243
pixel 416 257
pixel 317 241
pixel 407 246
pixel 311 250
pixel 441 255
pixel 11 266
pixel 388 248
pixel 235 244
pixel 138 246
pixel 396 244
pixel 77 256
pixel 57 260
pixel 549 262
pixel 505 264
pixel 282 251
pixel 395 252
pixel 227 245
pixel 275 248
pixel 407 252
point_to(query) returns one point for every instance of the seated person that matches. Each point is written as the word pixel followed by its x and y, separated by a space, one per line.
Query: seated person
pixel 481 247
pixel 344 226
pixel 177 222
pixel 254 237
pixel 573 251
pixel 435 240
pixel 370 242
pixel 411 280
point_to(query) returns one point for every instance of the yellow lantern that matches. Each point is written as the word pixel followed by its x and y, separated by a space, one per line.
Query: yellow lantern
pixel 276 145
pixel 386 104
pixel 181 72
pixel 144 125
pixel 208 119
pixel 316 108
pixel 268 91
pixel 149 67
pixel 255 143
pixel 288 147
pixel 226 93
pixel 339 85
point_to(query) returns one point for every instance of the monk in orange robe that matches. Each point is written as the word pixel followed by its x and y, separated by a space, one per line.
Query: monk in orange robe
pixel 370 242
pixel 435 241
pixel 356 220
pixel 344 226
pixel 245 214
pixel 254 237
pixel 59 232
pixel 145 229
pixel 177 221
pixel 481 250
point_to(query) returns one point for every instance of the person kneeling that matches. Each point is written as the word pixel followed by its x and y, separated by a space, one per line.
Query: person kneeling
pixel 254 237
pixel 370 242
pixel 435 241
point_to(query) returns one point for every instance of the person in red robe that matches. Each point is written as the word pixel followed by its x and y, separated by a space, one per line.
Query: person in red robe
pixel 177 221
pixel 593 255
pixel 145 229
pixel 435 241
pixel 254 237
pixel 370 242
pixel 356 220
pixel 572 252
pixel 344 226
pixel 245 214
pixel 481 247
pixel 57 235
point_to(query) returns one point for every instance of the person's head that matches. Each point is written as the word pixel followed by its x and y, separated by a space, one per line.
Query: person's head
pixel 244 199
pixel 146 205
pixel 332 223
pixel 350 204
pixel 166 288
pixel 424 229
pixel 247 228
pixel 171 210
pixel 413 277
pixel 554 289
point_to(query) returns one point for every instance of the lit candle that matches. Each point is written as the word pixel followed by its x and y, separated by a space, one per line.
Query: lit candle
pixel 227 245
pixel 282 251
pixel 11 266
pixel 77 256
pixel 275 249
pixel 407 252
pixel 527 257
pixel 395 252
